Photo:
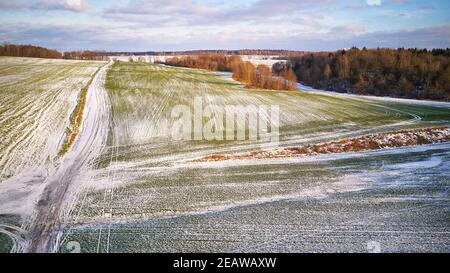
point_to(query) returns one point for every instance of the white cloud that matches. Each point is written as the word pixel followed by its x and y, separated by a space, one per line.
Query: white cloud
pixel 71 37
pixel 69 5
pixel 373 2
pixel 186 24
pixel 189 12
pixel 75 5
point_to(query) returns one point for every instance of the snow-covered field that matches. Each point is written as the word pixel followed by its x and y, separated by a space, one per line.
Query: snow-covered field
pixel 141 58
pixel 146 177
pixel 134 188
pixel 262 59
pixel 254 59
pixel 396 198
pixel 37 98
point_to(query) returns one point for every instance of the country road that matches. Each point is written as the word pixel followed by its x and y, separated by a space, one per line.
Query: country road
pixel 90 143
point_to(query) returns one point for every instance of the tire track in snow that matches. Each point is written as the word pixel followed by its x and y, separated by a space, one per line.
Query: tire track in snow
pixel 17 236
pixel 36 113
pixel 90 143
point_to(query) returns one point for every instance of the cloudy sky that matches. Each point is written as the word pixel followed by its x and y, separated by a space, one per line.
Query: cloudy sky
pixel 140 25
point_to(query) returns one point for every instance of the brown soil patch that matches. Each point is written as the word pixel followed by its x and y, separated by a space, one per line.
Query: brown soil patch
pixel 357 144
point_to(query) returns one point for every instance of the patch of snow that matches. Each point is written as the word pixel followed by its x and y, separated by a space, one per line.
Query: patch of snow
pixel 429 163
pixel 310 89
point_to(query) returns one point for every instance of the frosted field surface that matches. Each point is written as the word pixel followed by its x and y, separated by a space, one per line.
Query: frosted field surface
pixel 126 185
pixel 147 193
pixel 37 98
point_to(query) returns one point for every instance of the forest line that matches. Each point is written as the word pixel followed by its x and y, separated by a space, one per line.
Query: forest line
pixel 41 52
pixel 404 73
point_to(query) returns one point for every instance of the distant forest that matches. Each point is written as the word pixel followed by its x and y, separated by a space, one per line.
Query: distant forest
pixel 28 51
pixel 86 55
pixel 42 52
pixel 403 73
pixel 261 52
pixel 252 76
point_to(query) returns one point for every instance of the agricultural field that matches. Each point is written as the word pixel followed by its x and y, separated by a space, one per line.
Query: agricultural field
pixel 127 185
pixel 38 98
pixel 147 192
pixel 231 128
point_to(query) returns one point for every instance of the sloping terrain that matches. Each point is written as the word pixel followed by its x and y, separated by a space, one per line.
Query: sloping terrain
pixel 127 185
pixel 37 98
pixel 145 176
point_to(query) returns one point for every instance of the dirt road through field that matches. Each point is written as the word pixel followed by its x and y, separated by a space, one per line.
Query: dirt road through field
pixel 90 143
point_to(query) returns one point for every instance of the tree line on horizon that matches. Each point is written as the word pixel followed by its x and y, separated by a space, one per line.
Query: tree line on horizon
pixel 86 55
pixel 404 73
pixel 41 52
pixel 260 52
pixel 28 51
pixel 252 76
